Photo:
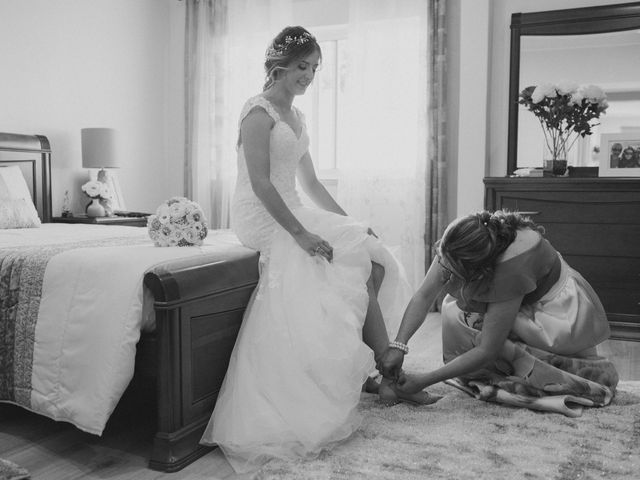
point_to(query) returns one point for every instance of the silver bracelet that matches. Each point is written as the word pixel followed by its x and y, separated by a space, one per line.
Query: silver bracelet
pixel 400 346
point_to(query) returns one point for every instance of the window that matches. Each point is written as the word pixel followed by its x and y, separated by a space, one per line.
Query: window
pixel 321 105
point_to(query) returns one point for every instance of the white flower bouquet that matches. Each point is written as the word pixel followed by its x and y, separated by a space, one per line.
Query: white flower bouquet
pixel 97 189
pixel 178 222
pixel 566 111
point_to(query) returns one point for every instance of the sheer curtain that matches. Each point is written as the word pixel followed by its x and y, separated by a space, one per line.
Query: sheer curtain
pixel 384 132
pixel 224 56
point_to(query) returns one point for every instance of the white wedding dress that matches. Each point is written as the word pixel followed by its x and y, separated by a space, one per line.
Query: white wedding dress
pixel 298 365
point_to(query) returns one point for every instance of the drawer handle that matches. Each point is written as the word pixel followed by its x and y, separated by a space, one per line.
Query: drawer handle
pixel 529 213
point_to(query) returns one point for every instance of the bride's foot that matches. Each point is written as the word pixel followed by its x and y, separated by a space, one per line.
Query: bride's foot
pixel 389 395
pixel 386 394
pixel 371 385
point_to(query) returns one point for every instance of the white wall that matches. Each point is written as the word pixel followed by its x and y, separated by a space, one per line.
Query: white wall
pixel 69 64
pixel 468 54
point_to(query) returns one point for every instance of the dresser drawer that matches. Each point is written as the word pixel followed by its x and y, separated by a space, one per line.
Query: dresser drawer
pixel 587 207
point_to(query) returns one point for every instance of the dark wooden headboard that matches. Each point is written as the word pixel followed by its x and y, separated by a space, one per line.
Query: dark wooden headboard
pixel 32 154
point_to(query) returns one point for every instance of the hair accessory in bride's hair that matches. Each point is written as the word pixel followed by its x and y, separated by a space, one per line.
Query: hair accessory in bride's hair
pixel 281 49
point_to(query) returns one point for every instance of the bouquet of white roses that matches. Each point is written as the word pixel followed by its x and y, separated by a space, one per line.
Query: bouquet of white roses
pixel 566 111
pixel 177 222
pixel 97 189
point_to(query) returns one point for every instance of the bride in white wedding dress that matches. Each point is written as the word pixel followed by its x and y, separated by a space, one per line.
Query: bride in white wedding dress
pixel 315 321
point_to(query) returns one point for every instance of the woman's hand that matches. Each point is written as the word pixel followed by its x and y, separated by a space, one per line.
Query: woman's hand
pixel 314 245
pixel 390 364
pixel 408 383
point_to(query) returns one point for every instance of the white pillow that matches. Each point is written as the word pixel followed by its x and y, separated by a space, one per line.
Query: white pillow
pixel 14 183
pixel 18 213
pixel 16 206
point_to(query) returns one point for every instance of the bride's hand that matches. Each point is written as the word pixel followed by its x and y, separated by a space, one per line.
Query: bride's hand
pixel 390 363
pixel 314 245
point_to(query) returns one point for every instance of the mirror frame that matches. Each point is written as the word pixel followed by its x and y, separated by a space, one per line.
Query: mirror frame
pixel 574 21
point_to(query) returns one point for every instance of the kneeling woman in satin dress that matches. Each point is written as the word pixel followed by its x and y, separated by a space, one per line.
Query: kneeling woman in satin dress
pixel 326 284
pixel 519 325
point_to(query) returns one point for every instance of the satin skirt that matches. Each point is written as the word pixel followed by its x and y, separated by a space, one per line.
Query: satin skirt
pixel 550 361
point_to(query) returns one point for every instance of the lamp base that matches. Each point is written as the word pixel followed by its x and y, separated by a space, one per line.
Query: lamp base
pixel 103 176
pixel 95 209
pixel 116 202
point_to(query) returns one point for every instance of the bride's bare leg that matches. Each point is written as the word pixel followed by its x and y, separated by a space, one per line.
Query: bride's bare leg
pixel 374 334
pixel 374 331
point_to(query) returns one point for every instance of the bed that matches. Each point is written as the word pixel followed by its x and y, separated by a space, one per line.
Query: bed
pixel 178 327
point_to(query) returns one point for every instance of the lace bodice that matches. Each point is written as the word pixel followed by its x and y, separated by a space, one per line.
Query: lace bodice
pixel 250 220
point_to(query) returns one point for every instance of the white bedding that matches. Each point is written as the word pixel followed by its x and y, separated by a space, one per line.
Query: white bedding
pixel 90 315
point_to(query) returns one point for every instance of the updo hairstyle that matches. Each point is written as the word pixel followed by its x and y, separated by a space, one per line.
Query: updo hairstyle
pixel 473 244
pixel 291 44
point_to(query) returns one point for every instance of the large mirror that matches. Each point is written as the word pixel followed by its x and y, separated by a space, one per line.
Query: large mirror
pixel 593 45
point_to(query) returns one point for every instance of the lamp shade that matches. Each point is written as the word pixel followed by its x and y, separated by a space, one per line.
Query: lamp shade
pixel 99 148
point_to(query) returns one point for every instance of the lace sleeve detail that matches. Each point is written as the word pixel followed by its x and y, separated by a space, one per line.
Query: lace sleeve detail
pixel 258 101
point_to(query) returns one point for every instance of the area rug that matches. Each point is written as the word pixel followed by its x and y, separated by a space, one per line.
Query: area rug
pixel 463 438
pixel 12 471
pixel 460 438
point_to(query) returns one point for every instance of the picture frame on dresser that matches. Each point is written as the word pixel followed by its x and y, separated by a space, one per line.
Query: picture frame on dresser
pixel 610 145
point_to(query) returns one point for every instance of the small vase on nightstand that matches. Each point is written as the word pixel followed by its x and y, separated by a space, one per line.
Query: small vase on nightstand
pixel 95 209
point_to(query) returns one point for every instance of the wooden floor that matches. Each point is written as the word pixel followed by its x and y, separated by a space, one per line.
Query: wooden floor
pixel 58 451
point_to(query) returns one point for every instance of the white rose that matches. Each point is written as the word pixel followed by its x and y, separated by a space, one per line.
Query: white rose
pixel 542 91
pixel 176 234
pixel 593 93
pixel 195 216
pixel 177 210
pixel 190 235
pixel 576 98
pixel 164 214
pixel 92 188
pixel 567 87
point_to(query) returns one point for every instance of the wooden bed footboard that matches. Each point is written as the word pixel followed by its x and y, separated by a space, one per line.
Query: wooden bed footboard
pixel 199 307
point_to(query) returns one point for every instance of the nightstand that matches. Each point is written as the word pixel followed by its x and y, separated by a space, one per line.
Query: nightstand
pixel 114 220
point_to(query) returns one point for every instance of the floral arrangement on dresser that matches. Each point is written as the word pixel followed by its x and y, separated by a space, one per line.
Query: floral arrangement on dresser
pixel 566 111
pixel 178 222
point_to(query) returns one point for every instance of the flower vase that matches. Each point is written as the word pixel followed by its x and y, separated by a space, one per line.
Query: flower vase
pixel 555 159
pixel 95 209
pixel 556 166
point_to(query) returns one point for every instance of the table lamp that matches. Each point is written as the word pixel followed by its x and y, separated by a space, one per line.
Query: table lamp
pixel 99 150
